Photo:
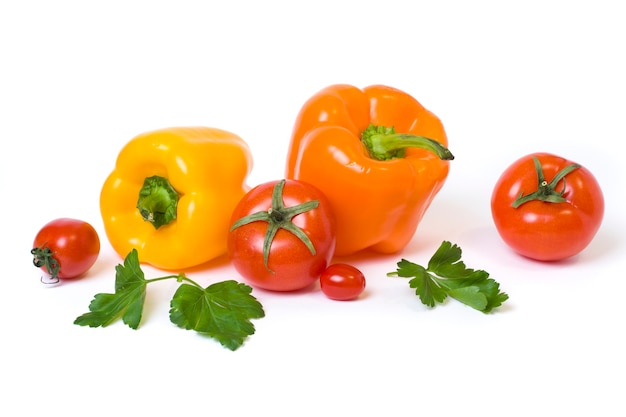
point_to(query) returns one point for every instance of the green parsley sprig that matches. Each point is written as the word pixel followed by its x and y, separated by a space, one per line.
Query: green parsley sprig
pixel 447 276
pixel 221 311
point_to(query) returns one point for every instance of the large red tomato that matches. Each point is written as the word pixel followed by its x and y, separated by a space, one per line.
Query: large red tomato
pixel 546 207
pixel 282 236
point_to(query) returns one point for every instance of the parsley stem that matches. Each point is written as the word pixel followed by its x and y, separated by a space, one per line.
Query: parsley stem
pixel 180 278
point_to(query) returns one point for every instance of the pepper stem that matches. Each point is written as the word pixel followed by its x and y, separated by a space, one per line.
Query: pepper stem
pixel 546 191
pixel 158 201
pixel 279 217
pixel 383 143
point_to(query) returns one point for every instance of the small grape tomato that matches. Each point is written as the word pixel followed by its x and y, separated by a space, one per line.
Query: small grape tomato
pixel 342 282
pixel 65 248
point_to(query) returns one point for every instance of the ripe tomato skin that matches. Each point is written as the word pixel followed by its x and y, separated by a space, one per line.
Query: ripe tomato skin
pixel 547 231
pixel 291 264
pixel 342 282
pixel 74 244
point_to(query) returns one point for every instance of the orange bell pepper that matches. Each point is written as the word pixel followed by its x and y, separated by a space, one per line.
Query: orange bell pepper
pixel 378 155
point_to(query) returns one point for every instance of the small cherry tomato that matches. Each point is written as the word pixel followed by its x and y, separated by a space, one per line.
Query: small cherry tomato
pixel 546 207
pixel 282 236
pixel 65 248
pixel 342 282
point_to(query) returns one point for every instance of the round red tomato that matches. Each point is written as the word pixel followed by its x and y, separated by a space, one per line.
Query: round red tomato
pixel 546 207
pixel 66 248
pixel 342 282
pixel 282 236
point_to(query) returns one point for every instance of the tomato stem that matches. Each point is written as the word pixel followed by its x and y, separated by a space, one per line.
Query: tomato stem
pixel 279 217
pixel 383 143
pixel 43 256
pixel 158 201
pixel 546 191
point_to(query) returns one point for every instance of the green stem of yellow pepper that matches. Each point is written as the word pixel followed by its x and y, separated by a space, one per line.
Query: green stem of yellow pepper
pixel 158 201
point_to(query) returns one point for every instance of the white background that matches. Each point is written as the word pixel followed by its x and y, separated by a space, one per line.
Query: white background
pixel 79 79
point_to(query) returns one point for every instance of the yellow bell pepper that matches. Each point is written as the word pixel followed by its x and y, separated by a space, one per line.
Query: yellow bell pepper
pixel 172 193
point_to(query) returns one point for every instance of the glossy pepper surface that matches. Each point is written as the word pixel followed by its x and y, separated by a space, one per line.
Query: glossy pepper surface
pixel 378 155
pixel 172 193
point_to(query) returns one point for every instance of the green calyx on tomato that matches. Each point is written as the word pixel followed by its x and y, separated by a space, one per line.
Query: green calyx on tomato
pixel 383 143
pixel 546 191
pixel 279 217
pixel 158 201
pixel 43 257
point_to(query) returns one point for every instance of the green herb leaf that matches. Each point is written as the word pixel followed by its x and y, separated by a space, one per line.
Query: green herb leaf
pixel 222 311
pixel 447 276
pixel 127 301
pixel 470 296
pixel 446 262
pixel 428 290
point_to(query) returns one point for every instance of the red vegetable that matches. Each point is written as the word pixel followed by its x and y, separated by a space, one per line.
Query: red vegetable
pixel 546 207
pixel 282 236
pixel 342 282
pixel 66 248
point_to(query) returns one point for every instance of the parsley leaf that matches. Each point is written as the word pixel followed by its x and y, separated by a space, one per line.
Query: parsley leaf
pixel 222 310
pixel 447 276
pixel 127 301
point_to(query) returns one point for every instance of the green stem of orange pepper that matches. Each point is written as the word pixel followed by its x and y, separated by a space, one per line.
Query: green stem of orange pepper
pixel 383 143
